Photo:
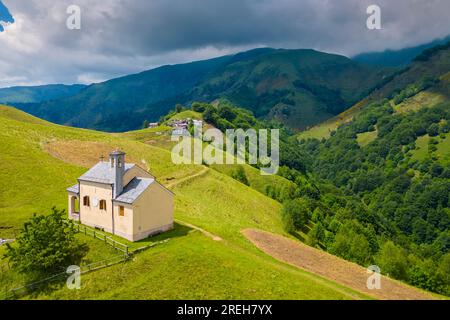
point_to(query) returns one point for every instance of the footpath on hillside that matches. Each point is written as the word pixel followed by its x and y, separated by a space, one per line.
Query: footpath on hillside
pixel 331 267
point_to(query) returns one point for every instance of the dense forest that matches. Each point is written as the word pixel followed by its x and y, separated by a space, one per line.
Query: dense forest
pixel 371 204
pixel 394 209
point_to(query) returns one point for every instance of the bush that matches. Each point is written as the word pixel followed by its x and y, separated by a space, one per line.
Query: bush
pixel 45 245
pixel 179 108
pixel 239 175
pixel 433 130
pixel 198 107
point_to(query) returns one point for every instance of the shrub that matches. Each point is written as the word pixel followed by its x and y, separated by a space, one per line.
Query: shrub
pixel 198 107
pixel 46 244
pixel 239 175
pixel 433 130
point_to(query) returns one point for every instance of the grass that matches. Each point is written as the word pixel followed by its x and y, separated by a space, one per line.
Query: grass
pixel 421 151
pixel 366 137
pixel 40 160
pixel 98 251
pixel 32 180
pixel 145 134
pixel 324 129
pixel 224 206
pixel 442 152
pixel 419 101
pixel 427 98
pixel 254 177
pixel 443 149
pixel 195 267
pixel 187 114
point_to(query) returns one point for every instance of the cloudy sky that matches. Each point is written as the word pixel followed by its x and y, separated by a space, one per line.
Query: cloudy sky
pixel 119 37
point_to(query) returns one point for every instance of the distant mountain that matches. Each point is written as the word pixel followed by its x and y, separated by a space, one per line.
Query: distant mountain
pixel 429 74
pixel 37 94
pixel 297 87
pixel 394 58
pixel 123 103
pixel 432 63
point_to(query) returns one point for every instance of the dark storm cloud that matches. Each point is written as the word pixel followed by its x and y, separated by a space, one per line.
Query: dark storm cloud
pixel 123 36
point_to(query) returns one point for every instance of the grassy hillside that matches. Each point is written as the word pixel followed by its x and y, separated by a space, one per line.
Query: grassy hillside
pixel 40 160
pixel 298 87
pixel 441 152
pixel 193 266
pixel 436 66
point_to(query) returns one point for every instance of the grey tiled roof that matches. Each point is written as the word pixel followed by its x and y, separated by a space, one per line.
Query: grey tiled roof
pixel 103 173
pixel 74 189
pixel 134 189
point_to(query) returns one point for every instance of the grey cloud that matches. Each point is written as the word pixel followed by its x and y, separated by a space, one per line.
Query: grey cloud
pixel 124 36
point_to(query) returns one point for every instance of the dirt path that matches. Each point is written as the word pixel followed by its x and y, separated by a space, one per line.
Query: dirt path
pixel 331 267
pixel 206 233
pixel 198 174
pixel 174 184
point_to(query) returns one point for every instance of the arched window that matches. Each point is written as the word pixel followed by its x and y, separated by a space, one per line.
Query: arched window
pixel 86 201
pixel 102 204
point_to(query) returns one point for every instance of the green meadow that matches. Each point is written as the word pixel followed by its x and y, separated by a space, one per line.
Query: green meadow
pixel 39 160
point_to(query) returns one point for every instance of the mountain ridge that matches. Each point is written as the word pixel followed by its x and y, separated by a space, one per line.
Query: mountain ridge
pixel 261 80
pixel 394 58
pixel 36 94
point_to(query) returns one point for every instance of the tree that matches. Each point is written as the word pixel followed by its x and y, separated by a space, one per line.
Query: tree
pixel 45 245
pixel 351 245
pixel 392 260
pixel 210 115
pixel 227 113
pixel 198 107
pixel 239 175
pixel 288 222
pixel 298 210
pixel 145 124
pixel 178 108
pixel 433 130
pixel 316 235
pixel 443 273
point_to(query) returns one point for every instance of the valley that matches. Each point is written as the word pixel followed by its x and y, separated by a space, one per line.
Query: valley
pixel 299 88
pixel 366 184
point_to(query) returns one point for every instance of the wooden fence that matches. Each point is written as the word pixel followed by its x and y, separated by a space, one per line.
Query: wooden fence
pixel 102 236
pixel 28 288
pixel 16 293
